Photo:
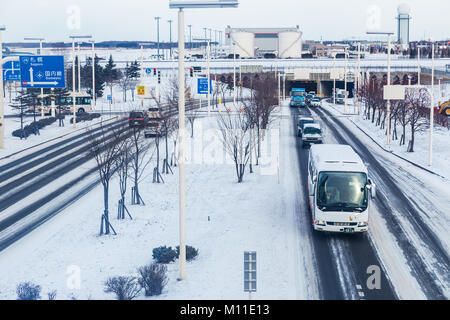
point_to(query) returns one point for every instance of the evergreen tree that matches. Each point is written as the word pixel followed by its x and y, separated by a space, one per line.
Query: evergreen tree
pixel 86 77
pixel 111 74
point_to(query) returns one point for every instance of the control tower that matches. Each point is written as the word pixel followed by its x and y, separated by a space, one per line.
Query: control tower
pixel 403 18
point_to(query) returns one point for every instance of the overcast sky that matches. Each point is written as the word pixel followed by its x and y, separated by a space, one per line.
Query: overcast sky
pixel 55 20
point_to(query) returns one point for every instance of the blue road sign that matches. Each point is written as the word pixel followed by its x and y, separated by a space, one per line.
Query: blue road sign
pixel 11 71
pixel 202 86
pixel 42 72
pixel 109 97
pixel 148 70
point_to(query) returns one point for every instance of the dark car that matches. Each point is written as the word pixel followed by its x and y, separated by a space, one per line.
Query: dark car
pixel 301 123
pixel 137 119
pixel 308 99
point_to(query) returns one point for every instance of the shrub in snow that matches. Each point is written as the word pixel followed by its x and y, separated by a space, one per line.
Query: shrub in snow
pixel 28 291
pixel 85 117
pixel 164 254
pixel 125 288
pixel 153 278
pixel 191 253
pixel 20 134
pixel 51 295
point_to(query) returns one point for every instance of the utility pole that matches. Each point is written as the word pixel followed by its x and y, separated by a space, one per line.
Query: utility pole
pixel 170 26
pixel 190 36
pixel 345 81
pixel 432 104
pixel 79 69
pixel 334 79
pixel 42 90
pixel 181 116
pixel 93 72
pixel 157 32
pixel 2 115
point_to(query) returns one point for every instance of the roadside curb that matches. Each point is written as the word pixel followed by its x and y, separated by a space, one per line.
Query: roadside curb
pixel 388 151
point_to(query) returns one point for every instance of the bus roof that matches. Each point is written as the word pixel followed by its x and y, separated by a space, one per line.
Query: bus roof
pixel 299 89
pixel 336 157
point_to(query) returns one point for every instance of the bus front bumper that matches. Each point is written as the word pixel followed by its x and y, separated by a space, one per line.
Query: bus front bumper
pixel 340 227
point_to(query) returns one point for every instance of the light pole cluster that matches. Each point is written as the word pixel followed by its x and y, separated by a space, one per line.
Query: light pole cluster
pixel 73 75
pixel 388 104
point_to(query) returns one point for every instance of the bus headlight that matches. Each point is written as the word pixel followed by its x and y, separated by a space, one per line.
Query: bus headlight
pixel 363 224
pixel 319 223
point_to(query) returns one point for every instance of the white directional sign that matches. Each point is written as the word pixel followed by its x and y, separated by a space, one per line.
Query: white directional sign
pixel 394 92
pixel 252 69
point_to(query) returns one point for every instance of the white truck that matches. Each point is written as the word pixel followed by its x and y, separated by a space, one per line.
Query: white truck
pixel 340 96
pixel 339 189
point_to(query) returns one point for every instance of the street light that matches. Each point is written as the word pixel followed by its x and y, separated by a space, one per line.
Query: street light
pixel 157 31
pixel 190 36
pixel 419 68
pixel 170 32
pixel 93 72
pixel 432 105
pixel 2 121
pixel 73 75
pixel 345 79
pixel 42 90
pixel 388 113
pixel 181 5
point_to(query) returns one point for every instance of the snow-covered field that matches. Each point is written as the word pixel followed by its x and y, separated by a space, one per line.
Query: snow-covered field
pixel 224 219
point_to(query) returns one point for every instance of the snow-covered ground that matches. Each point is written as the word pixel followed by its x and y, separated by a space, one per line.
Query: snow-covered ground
pixel 224 219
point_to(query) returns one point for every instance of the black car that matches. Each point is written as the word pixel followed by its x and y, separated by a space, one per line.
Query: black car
pixel 138 119
pixel 308 99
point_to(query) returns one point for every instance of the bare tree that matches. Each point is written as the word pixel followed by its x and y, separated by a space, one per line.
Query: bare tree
pixel 262 102
pixel 235 129
pixel 104 148
pixel 122 167
pixel 140 148
pixel 419 102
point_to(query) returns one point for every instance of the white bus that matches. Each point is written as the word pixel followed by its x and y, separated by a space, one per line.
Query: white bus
pixel 82 103
pixel 339 189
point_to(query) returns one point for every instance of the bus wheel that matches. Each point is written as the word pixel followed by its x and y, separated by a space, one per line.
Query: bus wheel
pixel 81 110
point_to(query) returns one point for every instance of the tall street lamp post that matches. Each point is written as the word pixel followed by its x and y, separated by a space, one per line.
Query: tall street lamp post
pixel 181 5
pixel 157 32
pixel 42 90
pixel 93 72
pixel 170 36
pixel 2 116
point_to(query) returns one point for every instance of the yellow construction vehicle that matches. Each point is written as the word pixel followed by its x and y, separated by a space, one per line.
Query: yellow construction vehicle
pixel 445 108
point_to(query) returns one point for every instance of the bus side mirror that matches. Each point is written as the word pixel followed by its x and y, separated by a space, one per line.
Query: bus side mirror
pixel 373 189
pixel 311 189
pixel 311 186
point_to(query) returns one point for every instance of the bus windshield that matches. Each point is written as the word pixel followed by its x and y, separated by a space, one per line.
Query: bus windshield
pixel 342 191
pixel 297 93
